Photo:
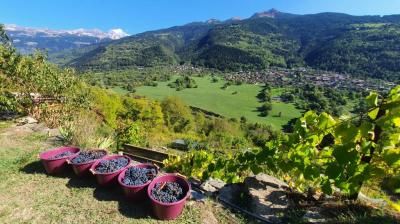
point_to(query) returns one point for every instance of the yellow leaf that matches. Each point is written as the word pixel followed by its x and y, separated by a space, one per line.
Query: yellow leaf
pixel 396 121
pixel 373 113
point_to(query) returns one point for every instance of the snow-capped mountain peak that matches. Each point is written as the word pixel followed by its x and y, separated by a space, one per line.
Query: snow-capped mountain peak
pixel 28 31
pixel 27 39
pixel 117 33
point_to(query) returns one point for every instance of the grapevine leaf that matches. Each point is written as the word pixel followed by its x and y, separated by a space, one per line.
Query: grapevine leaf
pixel 373 113
pixel 326 187
pixel 392 156
pixel 372 99
pixel 325 121
pixel 333 170
pixel 347 132
pixel 256 169
pixel 311 173
pixel 366 146
pixel 365 128
pixel 264 154
pixel 340 155
pixel 396 121
pixel 345 154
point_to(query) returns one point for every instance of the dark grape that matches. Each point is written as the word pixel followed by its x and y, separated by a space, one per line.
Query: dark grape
pixel 111 165
pixel 167 192
pixel 135 176
pixel 86 156
pixel 61 155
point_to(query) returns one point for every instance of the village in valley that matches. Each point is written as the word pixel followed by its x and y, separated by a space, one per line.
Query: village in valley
pixel 300 76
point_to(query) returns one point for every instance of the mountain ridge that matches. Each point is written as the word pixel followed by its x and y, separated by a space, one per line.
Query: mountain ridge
pixel 364 46
pixel 28 39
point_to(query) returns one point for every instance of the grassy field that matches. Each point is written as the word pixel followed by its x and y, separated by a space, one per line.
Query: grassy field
pixel 233 102
pixel 29 195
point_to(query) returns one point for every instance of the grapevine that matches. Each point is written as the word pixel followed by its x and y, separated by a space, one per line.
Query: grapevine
pixel 323 152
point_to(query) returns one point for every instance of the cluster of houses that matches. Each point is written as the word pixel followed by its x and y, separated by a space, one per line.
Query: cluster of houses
pixel 302 76
pixel 295 77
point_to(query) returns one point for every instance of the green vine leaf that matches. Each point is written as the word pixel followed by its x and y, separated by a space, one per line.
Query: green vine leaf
pixel 372 99
pixel 373 113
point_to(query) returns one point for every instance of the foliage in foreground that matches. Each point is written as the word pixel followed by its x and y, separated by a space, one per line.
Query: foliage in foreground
pixel 322 152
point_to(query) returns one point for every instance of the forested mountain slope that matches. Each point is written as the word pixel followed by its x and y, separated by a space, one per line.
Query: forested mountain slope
pixel 364 46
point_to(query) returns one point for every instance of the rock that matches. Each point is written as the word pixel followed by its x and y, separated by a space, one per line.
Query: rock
pixel 197 196
pixel 218 184
pixel 231 192
pixel 27 120
pixel 53 132
pixel 267 196
pixel 263 180
pixel 314 217
pixel 209 190
pixel 211 186
pixel 374 201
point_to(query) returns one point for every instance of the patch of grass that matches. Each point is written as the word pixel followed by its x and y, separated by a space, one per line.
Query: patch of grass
pixel 37 137
pixel 210 96
pixel 29 195
pixel 4 124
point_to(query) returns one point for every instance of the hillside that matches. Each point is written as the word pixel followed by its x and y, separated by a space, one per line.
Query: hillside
pixel 332 41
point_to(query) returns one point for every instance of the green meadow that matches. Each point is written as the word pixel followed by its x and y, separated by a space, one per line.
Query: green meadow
pixel 234 102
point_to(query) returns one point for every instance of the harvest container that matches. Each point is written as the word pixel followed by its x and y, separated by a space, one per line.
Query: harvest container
pixel 138 192
pixel 105 179
pixel 82 169
pixel 168 211
pixel 56 166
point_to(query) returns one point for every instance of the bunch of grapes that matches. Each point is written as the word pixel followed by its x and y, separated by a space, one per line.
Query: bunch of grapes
pixel 135 176
pixel 167 192
pixel 61 155
pixel 86 156
pixel 109 166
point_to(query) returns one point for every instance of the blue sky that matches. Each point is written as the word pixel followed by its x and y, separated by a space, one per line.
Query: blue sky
pixel 137 16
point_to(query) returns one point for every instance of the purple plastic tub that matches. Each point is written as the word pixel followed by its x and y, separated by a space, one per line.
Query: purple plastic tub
pixel 105 179
pixel 138 192
pixel 56 166
pixel 82 169
pixel 168 211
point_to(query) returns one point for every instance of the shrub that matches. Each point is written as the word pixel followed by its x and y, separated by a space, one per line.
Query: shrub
pixel 86 130
pixel 8 104
pixel 178 116
pixel 265 109
pixel 131 133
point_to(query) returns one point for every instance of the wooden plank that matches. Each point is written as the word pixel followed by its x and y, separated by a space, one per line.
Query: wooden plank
pixel 145 155
pixel 144 160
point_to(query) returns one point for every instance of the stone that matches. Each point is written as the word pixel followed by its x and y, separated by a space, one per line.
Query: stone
pixel 197 196
pixel 314 217
pixel 231 192
pixel 211 186
pixel 209 190
pixel 263 180
pixel 268 196
pixel 374 201
pixel 218 184
pixel 27 120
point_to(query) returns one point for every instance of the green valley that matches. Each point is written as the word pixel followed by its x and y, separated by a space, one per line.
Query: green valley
pixel 234 102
